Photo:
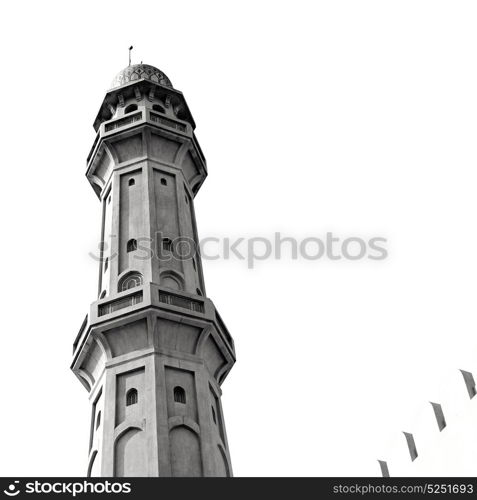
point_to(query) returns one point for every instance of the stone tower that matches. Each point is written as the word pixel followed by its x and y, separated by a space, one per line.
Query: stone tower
pixel 153 350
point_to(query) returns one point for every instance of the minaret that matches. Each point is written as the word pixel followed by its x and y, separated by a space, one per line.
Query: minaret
pixel 153 350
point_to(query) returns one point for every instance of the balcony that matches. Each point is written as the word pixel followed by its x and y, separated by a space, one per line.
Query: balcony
pixel 154 117
pixel 122 122
pixel 116 305
pixel 180 301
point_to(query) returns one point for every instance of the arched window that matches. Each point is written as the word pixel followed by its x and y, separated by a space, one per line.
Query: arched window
pixel 130 108
pixel 167 244
pixel 130 280
pixel 179 395
pixel 131 245
pixel 198 291
pixel 131 397
pixel 98 420
pixel 131 182
pixel 157 107
pixel 213 415
pixel 163 181
pixel 179 111
pixel 106 262
pixel 110 114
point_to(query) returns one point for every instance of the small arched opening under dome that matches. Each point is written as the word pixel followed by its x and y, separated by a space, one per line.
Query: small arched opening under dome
pixel 130 108
pixel 158 108
pixel 180 112
pixel 130 280
pixel 172 279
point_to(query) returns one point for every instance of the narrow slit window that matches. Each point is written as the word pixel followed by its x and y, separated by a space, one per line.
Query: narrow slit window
pixel 131 182
pixel 98 420
pixel 214 416
pixel 198 291
pixel 109 200
pixel 163 181
pixel 384 468
pixel 469 383
pixel 132 245
pixel 179 395
pixel 411 444
pixel 131 397
pixel 441 421
pixel 167 244
pixel 194 264
pixel 106 262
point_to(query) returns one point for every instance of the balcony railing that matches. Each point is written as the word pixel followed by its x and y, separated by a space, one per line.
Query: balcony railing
pixel 167 122
pixel 115 305
pixel 122 122
pixel 180 301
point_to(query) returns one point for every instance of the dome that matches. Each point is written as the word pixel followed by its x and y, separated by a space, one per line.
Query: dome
pixel 138 71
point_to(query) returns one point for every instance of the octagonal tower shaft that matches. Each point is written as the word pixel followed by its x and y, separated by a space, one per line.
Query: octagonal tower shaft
pixel 153 350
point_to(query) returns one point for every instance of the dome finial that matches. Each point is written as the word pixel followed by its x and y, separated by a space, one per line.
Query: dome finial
pixel 130 48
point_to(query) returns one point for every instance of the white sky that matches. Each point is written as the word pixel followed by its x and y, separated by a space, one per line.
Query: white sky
pixel 358 118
